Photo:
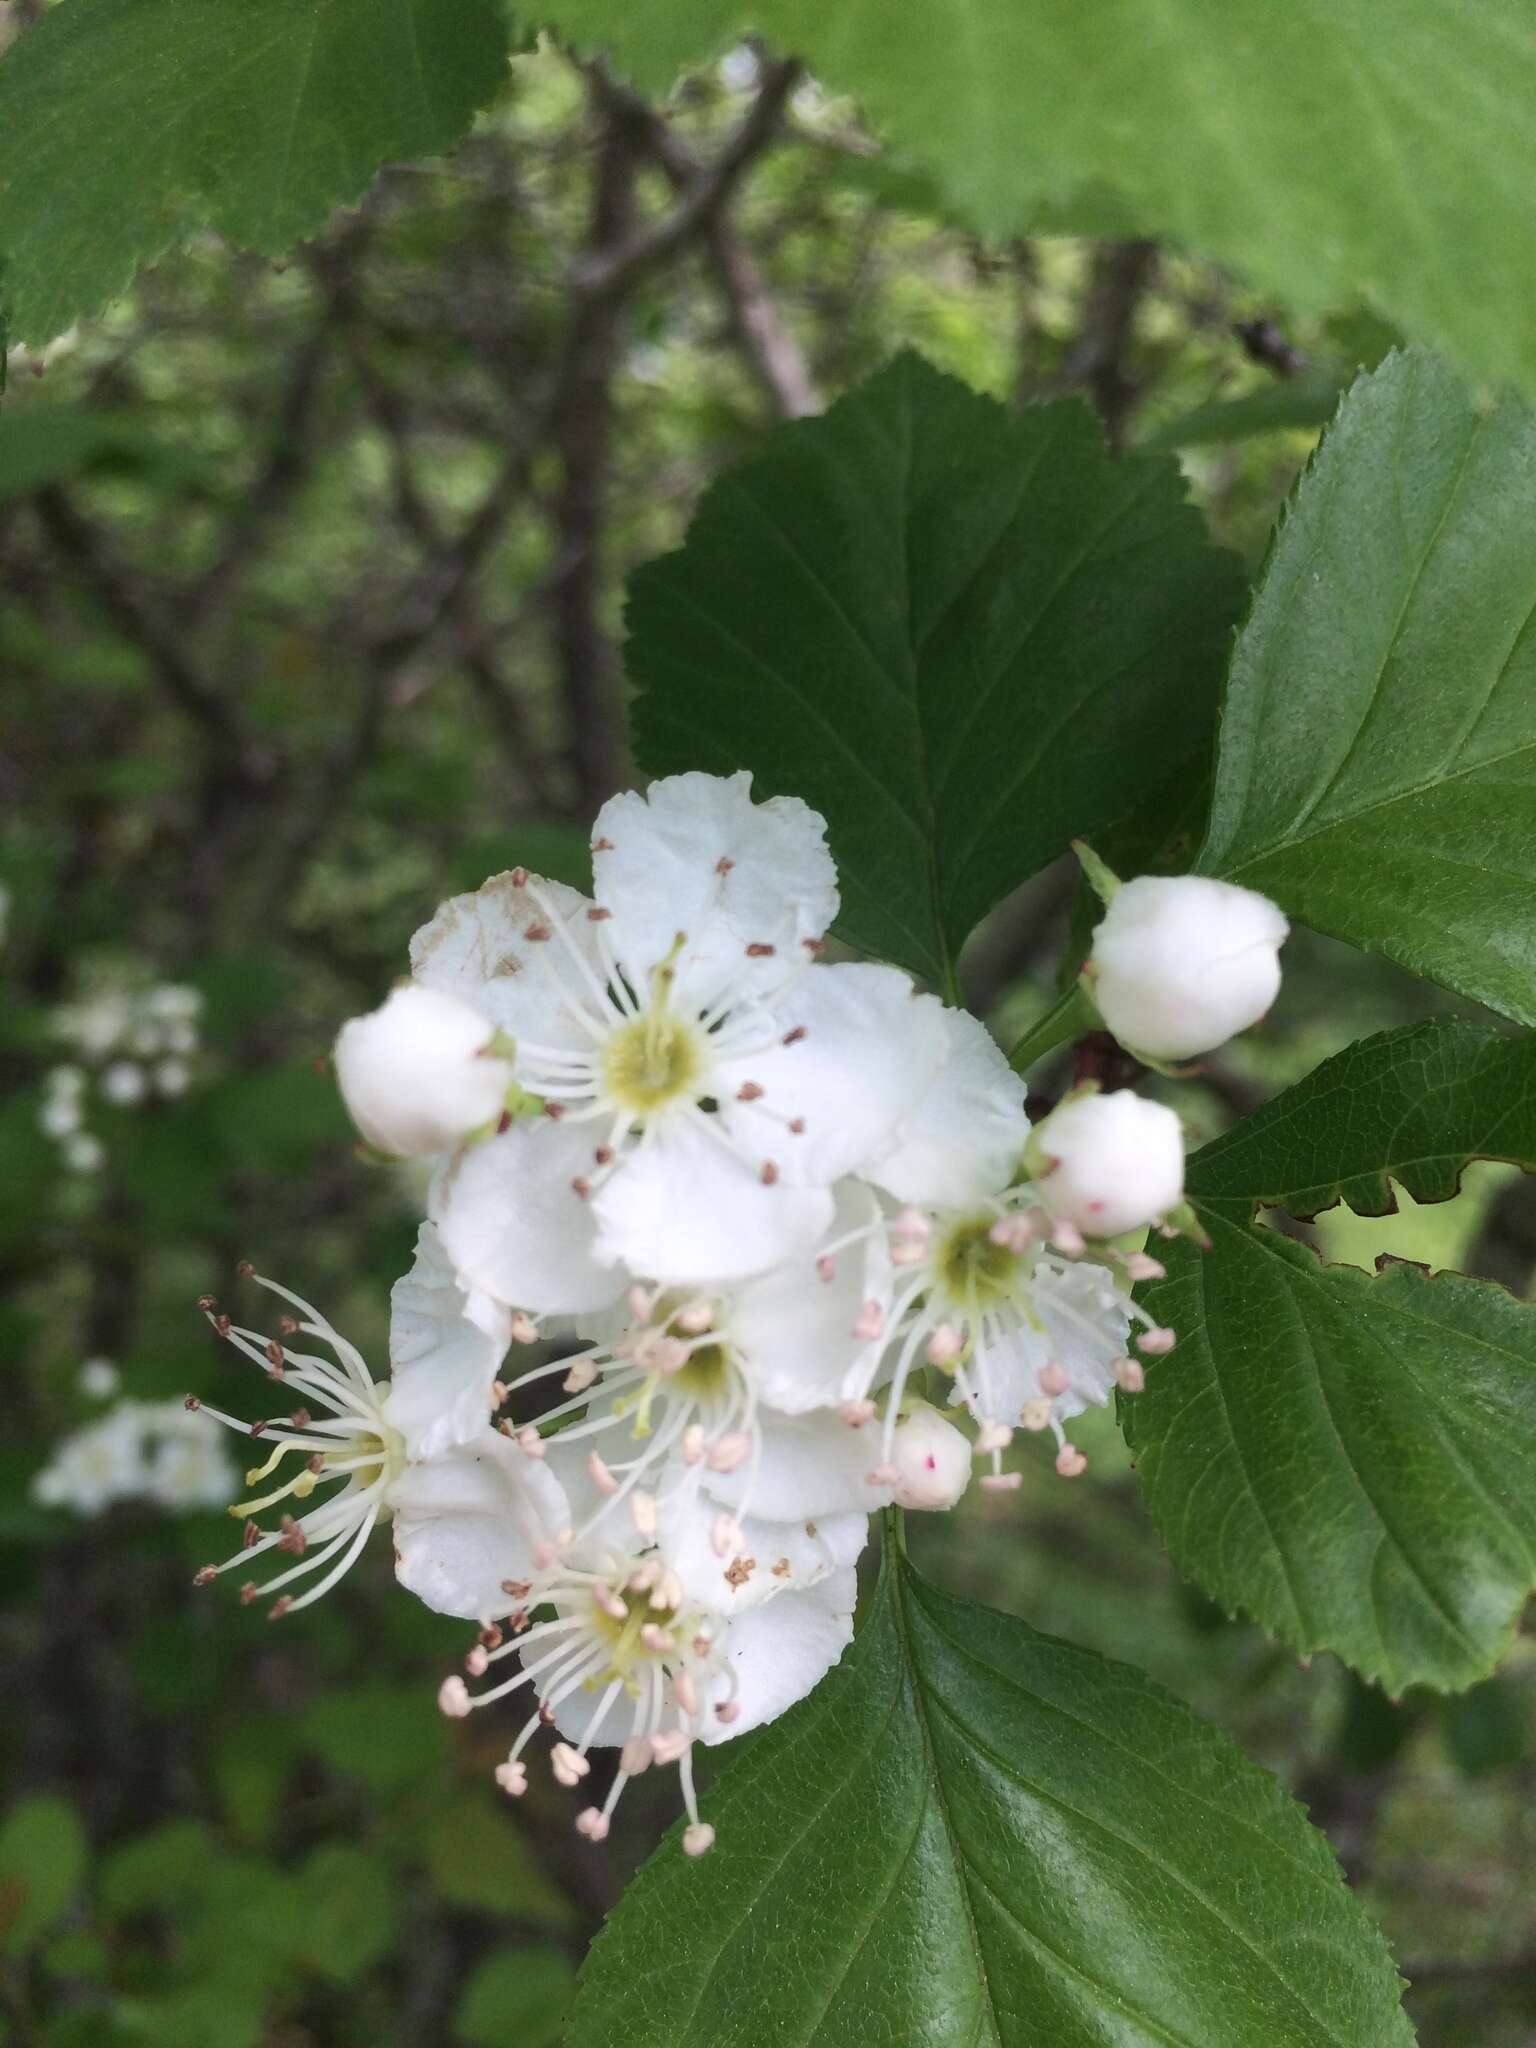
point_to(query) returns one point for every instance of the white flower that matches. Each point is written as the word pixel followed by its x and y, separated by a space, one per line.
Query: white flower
pixel 628 1658
pixel 966 1134
pixel 84 1153
pixel 1108 1163
pixel 1182 963
pixel 931 1457
pixel 173 1002
pixel 98 1378
pixel 468 1507
pixel 172 1077
pixel 998 1295
pixel 186 1463
pixel 705 1081
pixel 96 1466
pixel 420 1073
pixel 96 1026
pixel 61 1115
pixel 123 1084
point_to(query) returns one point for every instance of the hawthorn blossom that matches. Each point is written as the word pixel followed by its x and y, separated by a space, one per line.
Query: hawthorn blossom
pixel 418 1448
pixel 1107 1164
pixel 630 1656
pixel 705 1080
pixel 422 1072
pixel 151 1451
pixel 1182 963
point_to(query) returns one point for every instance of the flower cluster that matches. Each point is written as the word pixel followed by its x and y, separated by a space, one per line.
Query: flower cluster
pixel 150 1451
pixel 131 1047
pixel 765 1203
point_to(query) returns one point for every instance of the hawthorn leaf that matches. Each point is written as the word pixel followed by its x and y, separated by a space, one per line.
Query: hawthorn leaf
pixel 1384 146
pixel 1376 766
pixel 125 125
pixel 963 634
pixel 1350 1458
pixel 973 1834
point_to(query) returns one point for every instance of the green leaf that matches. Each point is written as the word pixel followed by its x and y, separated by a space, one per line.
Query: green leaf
pixel 127 124
pixel 477 1856
pixel 520 1995
pixel 1351 1458
pixel 42 1864
pixel 963 634
pixel 44 444
pixel 1376 772
pixel 970 1833
pixel 1388 145
pixel 349 1911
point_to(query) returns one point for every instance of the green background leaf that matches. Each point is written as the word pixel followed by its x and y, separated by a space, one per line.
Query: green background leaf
pixel 127 124
pixel 42 1863
pixel 1348 1458
pixel 962 634
pixel 1376 772
pixel 970 1833
pixel 1384 144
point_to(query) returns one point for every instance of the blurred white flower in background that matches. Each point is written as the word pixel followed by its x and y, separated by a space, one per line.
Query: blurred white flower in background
pixel 132 1047
pixel 153 1451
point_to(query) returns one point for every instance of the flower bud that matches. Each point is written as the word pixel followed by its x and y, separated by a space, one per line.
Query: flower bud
pixel 1108 1163
pixel 1181 963
pixel 416 1074
pixel 932 1458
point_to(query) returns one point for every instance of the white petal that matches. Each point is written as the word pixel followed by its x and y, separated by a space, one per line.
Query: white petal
pixel 870 1047
pixel 515 1228
pixel 808 1465
pixel 415 1073
pixel 444 1349
pixel 696 856
pixel 467 1522
pixel 966 1135
pixel 683 1207
pixel 795 1331
pixel 781 1650
pixel 773 1557
pixel 477 947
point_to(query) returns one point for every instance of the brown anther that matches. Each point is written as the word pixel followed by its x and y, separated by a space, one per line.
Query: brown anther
pixel 250 1535
pixel 192 1403
pixel 259 1428
pixel 206 1576
pixel 317 1463
pixel 782 1569
pixel 490 1638
pixel 602 846
pixel 223 1325
pixel 275 1352
pixel 248 1592
pixel 536 934
pixel 604 1155
pixel 581 1186
pixel 724 864
pixel 293 1539
pixel 814 945
pixel 797 1126
pixel 518 1620
pixel 519 878
pixel 597 915
pixel 554 1111
pixel 299 1419
pixel 504 1122
pixel 279 1607
pixel 507 1426
pixel 794 1037
pixel 516 1589
pixel 768 1173
pixel 758 951
pixel 288 1325
pixel 749 1091
pixel 499 1392
pixel 739 1570
pixel 246 1270
pixel 546 1716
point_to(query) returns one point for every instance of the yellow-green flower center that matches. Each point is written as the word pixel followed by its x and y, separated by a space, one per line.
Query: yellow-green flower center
pixel 971 1269
pixel 706 1375
pixel 653 1060
pixel 626 1649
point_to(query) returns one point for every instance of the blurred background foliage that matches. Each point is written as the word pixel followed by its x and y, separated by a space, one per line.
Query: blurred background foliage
pixel 310 610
